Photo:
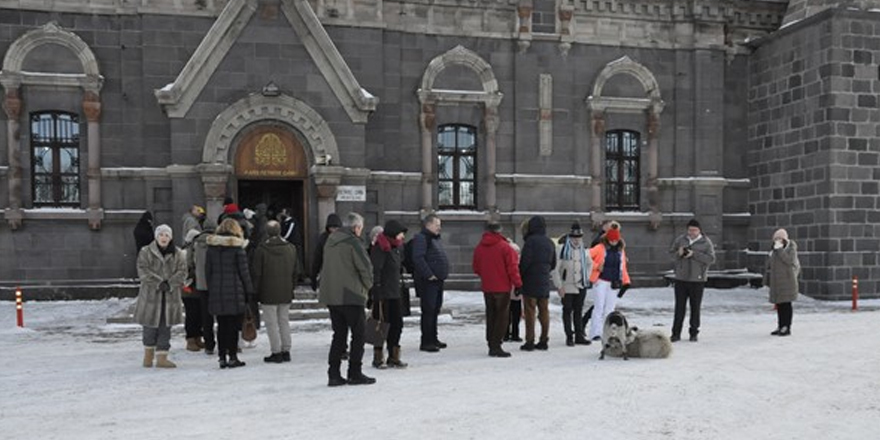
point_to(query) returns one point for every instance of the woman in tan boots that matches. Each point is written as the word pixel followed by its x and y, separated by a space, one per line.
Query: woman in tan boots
pixel 162 271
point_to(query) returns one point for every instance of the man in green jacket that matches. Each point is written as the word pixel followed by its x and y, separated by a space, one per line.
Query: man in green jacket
pixel 275 272
pixel 346 279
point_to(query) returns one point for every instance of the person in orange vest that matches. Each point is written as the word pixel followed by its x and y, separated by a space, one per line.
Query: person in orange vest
pixel 608 276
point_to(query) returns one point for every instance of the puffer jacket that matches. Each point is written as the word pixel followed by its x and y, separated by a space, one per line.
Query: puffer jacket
pixel 229 279
pixel 696 268
pixel 153 268
pixel 275 271
pixel 537 260
pixel 783 268
pixel 495 261
pixel 598 254
pixel 347 273
pixel 428 256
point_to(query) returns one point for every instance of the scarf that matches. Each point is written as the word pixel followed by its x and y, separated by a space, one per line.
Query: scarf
pixel 567 249
pixel 386 243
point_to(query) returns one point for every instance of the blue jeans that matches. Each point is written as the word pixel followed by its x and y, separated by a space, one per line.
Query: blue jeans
pixel 430 295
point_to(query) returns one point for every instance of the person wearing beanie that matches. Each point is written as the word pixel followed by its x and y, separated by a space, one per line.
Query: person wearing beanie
pixel 571 278
pixel 692 253
pixel 331 225
pixel 386 254
pixel 497 265
pixel 781 275
pixel 162 272
pixel 609 274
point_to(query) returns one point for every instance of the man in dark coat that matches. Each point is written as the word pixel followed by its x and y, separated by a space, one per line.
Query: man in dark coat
pixel 333 223
pixel 386 256
pixel 275 273
pixel 538 259
pixel 431 269
pixel 143 231
pixel 495 262
pixel 344 289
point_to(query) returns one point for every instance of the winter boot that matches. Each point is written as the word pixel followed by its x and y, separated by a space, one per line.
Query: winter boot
pixel 394 358
pixel 785 331
pixel 192 345
pixel 234 362
pixel 542 344
pixel 285 356
pixel 528 346
pixel 149 352
pixel 223 362
pixel 162 360
pixel 274 358
pixel 569 341
pixel 357 377
pixel 378 358
pixel 335 378
pixel 200 342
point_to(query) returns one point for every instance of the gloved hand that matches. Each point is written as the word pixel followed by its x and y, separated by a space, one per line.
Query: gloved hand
pixel 681 251
pixel 778 244
pixel 164 287
pixel 688 253
pixel 623 290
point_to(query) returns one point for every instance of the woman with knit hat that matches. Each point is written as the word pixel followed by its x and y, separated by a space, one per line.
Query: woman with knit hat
pixel 609 274
pixel 783 268
pixel 386 255
pixel 162 271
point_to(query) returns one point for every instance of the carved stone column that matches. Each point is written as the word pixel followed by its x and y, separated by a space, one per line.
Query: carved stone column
pixel 566 36
pixel 597 179
pixel 214 179
pixel 524 13
pixel 327 180
pixel 491 121
pixel 12 106
pixel 653 125
pixel 92 109
pixel 427 120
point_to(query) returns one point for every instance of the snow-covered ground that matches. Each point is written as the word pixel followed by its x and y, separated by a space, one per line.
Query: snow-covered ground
pixel 69 375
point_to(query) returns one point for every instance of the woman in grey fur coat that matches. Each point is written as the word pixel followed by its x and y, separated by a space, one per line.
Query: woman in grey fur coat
pixel 781 277
pixel 162 271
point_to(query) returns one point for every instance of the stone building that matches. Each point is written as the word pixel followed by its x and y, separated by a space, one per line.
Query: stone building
pixel 748 115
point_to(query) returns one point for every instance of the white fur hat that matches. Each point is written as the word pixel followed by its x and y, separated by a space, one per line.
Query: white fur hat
pixel 163 228
pixel 191 235
pixel 248 214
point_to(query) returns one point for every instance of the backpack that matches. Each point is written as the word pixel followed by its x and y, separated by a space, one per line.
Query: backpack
pixel 408 264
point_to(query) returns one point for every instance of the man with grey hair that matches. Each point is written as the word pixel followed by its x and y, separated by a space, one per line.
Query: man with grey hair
pixel 345 282
pixel 275 273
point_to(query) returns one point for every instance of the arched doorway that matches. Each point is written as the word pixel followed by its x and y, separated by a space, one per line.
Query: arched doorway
pixel 271 167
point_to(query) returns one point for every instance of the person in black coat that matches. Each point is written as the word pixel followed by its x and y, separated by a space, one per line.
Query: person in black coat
pixel 333 223
pixel 431 269
pixel 537 260
pixel 387 255
pixel 143 231
pixel 229 286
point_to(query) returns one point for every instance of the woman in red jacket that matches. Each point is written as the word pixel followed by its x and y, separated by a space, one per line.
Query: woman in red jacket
pixel 496 263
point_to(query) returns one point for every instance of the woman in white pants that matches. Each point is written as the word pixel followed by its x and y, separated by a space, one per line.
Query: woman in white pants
pixel 609 275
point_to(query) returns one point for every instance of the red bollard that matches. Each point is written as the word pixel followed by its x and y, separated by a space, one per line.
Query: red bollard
pixel 855 293
pixel 19 308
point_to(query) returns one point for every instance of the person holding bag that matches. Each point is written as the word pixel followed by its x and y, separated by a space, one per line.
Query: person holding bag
pixel 229 286
pixel 386 254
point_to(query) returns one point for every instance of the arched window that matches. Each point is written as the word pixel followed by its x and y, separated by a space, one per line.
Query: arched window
pixel 55 159
pixel 622 170
pixel 457 166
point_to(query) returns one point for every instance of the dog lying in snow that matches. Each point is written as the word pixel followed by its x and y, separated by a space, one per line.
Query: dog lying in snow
pixel 620 340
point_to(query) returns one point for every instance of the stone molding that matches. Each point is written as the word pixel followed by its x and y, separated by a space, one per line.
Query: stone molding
pixel 178 97
pixel 256 107
pixel 625 65
pixel 541 179
pixel 459 55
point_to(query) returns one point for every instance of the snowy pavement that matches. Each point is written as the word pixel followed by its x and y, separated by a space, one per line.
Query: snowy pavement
pixel 69 375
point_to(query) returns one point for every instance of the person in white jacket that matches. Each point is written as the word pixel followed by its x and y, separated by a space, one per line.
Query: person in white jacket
pixel 571 278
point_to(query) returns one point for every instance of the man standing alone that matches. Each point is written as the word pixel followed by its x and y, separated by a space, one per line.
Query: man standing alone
pixel 345 282
pixel 431 268
pixel 496 263
pixel 692 254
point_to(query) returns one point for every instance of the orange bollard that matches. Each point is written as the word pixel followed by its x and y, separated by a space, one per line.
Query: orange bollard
pixel 19 308
pixel 855 293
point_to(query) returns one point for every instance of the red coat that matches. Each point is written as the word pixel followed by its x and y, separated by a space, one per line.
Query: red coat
pixel 497 264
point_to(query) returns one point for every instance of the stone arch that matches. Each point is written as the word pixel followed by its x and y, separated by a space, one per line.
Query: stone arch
pixel 257 107
pixel 465 57
pixel 50 33
pixel 625 65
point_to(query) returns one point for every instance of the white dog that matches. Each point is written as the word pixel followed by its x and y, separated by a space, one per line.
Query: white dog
pixel 621 340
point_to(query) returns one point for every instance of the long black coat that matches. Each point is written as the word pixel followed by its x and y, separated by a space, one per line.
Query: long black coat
pixel 228 275
pixel 143 231
pixel 386 271
pixel 537 260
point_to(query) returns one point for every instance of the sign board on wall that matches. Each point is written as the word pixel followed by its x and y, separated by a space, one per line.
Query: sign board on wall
pixel 351 193
pixel 270 152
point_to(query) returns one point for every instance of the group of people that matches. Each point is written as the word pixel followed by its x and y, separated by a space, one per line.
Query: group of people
pixel 220 272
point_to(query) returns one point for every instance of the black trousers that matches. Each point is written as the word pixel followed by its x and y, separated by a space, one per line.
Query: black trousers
pixel 784 313
pixel 228 327
pixel 207 320
pixel 392 313
pixel 497 315
pixel 515 315
pixel 430 301
pixel 687 292
pixel 343 319
pixel 572 313
pixel 192 323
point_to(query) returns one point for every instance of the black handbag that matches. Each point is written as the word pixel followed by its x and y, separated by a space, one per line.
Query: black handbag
pixel 375 331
